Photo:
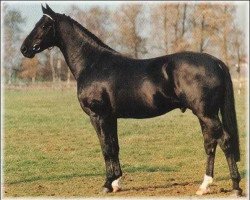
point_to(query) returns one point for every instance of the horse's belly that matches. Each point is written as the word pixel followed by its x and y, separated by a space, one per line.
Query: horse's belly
pixel 143 100
pixel 132 108
pixel 142 114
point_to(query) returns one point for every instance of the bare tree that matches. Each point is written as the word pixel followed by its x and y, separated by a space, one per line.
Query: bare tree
pixel 170 24
pixel 205 25
pixel 127 29
pixel 179 21
pixel 239 54
pixel 95 19
pixel 59 68
pixel 184 19
pixel 225 24
pixel 52 67
pixel 160 27
pixel 12 23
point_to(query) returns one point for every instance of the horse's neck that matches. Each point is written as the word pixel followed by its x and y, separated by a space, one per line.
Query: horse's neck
pixel 78 49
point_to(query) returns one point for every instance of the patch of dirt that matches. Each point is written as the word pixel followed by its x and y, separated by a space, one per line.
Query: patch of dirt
pixel 132 186
pixel 174 189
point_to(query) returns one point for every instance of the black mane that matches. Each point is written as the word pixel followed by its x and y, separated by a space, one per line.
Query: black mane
pixel 87 32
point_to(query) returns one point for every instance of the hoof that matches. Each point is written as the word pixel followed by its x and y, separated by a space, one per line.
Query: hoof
pixel 116 189
pixel 237 193
pixel 106 190
pixel 116 185
pixel 202 191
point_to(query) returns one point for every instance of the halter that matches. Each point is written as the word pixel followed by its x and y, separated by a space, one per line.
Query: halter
pixel 49 17
pixel 54 30
pixel 36 47
pixel 53 24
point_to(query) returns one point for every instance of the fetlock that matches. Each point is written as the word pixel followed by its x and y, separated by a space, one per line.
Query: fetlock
pixel 108 186
pixel 112 185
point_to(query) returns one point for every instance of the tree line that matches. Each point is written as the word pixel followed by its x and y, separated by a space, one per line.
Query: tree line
pixel 137 30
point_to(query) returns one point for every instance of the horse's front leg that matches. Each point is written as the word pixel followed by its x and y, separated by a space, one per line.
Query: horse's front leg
pixel 106 128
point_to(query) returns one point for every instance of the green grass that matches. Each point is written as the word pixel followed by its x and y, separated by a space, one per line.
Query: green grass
pixel 51 149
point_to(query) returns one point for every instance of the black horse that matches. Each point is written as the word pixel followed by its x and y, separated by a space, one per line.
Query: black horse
pixel 111 85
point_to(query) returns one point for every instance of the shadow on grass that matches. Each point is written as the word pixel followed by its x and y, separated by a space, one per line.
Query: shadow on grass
pixel 176 186
pixel 53 178
pixel 243 174
pixel 126 168
pixel 146 168
pixel 165 186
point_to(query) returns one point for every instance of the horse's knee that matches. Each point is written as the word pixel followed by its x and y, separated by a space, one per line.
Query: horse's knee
pixel 215 128
pixel 210 145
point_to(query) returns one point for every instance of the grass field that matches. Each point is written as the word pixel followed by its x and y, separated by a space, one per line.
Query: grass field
pixel 51 149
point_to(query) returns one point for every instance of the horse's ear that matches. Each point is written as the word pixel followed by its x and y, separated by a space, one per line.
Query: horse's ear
pixel 43 9
pixel 49 11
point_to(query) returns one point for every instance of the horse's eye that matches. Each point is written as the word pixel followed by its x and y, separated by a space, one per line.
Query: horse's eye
pixel 44 27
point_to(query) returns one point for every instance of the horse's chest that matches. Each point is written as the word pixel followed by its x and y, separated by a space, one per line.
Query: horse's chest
pixel 95 99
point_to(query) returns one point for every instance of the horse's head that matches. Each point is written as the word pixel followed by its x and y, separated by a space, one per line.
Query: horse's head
pixel 42 36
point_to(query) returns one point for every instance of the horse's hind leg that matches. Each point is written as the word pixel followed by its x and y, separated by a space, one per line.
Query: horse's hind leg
pixel 224 143
pixel 214 133
pixel 211 129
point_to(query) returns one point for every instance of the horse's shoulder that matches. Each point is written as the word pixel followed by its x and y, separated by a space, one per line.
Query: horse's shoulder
pixel 96 97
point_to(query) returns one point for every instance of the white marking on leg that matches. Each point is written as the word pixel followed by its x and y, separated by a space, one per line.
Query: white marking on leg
pixel 204 189
pixel 116 185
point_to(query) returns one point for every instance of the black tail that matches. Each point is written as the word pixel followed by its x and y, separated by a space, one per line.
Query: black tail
pixel 228 113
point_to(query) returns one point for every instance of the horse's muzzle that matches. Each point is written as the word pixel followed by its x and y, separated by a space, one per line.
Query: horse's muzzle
pixel 25 51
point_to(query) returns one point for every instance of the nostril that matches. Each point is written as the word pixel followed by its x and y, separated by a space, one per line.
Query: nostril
pixel 24 49
pixel 36 47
